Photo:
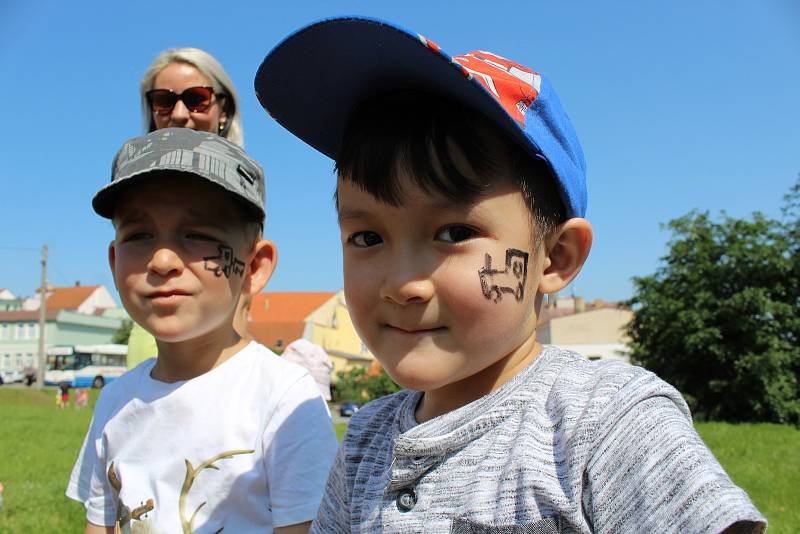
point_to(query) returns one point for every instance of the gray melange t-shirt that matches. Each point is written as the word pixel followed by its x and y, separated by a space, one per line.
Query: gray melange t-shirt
pixel 567 445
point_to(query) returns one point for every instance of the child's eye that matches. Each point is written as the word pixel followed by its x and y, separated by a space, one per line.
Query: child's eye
pixel 364 239
pixel 456 233
pixel 135 236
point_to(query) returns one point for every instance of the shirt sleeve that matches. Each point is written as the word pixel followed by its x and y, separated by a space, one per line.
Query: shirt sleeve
pixel 89 483
pixel 334 511
pixel 299 446
pixel 653 473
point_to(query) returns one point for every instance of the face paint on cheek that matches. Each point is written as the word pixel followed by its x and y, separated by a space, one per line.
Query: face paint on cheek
pixel 224 263
pixel 494 283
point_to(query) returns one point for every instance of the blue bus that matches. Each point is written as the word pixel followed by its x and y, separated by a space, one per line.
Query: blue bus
pixel 84 366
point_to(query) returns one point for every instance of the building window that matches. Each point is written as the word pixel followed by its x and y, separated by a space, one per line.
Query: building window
pixel 18 362
pixel 18 331
pixel 6 361
pixel 3 331
pixel 29 360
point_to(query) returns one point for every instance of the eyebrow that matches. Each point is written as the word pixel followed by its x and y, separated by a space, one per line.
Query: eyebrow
pixel 212 220
pixel 190 216
pixel 345 214
pixel 131 217
pixel 440 205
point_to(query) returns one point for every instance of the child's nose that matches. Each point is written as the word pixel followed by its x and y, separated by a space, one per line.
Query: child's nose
pixel 164 262
pixel 407 283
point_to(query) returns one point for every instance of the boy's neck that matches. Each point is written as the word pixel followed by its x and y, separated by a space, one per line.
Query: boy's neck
pixel 188 359
pixel 453 396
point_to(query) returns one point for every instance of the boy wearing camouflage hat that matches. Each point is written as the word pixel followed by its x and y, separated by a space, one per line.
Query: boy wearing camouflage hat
pixel 217 431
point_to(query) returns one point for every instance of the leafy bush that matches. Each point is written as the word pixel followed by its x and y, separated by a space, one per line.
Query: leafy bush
pixel 123 333
pixel 361 385
pixel 720 318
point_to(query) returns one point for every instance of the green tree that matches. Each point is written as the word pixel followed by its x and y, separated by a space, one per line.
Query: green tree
pixel 123 333
pixel 356 384
pixel 719 318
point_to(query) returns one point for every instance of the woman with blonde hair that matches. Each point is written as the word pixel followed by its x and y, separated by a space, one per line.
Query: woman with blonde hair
pixel 187 87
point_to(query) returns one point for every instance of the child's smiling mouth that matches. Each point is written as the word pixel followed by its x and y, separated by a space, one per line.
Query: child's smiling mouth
pixel 414 330
pixel 167 297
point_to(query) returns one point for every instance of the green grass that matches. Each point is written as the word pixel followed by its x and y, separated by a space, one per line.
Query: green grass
pixel 763 459
pixel 39 444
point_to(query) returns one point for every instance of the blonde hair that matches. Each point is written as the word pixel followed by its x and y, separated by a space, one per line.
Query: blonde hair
pixel 211 68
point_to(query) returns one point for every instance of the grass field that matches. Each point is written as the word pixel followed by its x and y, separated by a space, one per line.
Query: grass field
pixel 39 443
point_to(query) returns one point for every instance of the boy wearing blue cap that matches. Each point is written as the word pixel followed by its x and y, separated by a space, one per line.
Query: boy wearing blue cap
pixel 217 432
pixel 461 195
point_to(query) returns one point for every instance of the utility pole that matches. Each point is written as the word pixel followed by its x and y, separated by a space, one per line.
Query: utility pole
pixel 42 321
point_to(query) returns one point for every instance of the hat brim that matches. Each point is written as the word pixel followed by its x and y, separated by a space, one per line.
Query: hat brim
pixel 313 80
pixel 106 199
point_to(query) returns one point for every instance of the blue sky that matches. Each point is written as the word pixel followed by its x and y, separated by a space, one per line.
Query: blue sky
pixel 679 105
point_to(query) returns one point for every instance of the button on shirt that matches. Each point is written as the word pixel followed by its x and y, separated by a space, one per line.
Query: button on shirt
pixel 406 500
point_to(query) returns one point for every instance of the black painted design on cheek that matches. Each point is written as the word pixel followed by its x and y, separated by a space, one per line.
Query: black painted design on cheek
pixel 224 263
pixel 495 283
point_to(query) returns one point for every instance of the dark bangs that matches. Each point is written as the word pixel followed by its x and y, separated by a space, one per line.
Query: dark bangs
pixel 414 133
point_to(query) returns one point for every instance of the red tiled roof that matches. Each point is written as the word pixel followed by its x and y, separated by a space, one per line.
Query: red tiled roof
pixel 69 298
pixel 26 316
pixel 268 334
pixel 286 306
pixel 547 313
pixel 279 315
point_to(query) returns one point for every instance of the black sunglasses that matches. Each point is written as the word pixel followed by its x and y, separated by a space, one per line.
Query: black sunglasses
pixel 196 99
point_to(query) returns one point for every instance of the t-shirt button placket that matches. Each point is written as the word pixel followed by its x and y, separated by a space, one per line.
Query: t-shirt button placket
pixel 406 500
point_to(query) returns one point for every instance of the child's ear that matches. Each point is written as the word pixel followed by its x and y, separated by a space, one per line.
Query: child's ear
pixel 262 264
pixel 112 259
pixel 566 250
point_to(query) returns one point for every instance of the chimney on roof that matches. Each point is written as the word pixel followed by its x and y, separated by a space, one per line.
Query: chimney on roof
pixel 580 305
pixel 77 283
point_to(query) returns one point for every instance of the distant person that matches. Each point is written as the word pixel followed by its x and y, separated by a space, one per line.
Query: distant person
pixel 461 197
pixel 81 398
pixel 315 360
pixel 217 432
pixel 188 88
pixel 63 388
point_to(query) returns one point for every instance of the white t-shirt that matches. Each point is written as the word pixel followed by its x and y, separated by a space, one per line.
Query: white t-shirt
pixel 261 417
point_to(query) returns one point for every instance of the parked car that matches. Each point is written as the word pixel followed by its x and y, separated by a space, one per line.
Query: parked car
pixel 348 408
pixel 9 377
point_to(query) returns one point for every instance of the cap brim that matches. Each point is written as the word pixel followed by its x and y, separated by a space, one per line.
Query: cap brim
pixel 106 199
pixel 313 80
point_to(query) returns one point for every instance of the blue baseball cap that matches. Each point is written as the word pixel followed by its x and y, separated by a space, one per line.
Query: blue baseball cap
pixel 315 79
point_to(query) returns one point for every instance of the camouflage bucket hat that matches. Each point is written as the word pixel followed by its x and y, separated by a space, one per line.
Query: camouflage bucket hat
pixel 184 150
